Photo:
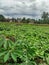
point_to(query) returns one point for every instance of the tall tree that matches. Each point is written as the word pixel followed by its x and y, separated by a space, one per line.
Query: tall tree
pixel 45 15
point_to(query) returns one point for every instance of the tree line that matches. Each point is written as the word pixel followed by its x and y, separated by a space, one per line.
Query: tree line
pixel 44 19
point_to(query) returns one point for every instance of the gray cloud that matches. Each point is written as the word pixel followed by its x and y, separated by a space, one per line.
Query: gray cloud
pixel 23 8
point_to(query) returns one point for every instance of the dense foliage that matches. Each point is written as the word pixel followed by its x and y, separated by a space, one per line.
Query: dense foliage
pixel 24 44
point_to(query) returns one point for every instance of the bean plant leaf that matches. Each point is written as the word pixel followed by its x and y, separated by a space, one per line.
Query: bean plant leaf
pixel 13 56
pixel 6 57
pixel 5 44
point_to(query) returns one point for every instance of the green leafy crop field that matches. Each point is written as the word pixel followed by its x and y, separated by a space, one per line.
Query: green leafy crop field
pixel 24 44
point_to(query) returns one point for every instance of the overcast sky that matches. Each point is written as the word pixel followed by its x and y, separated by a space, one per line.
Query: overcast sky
pixel 23 8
